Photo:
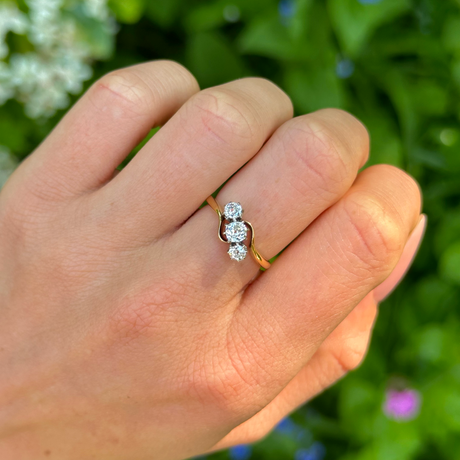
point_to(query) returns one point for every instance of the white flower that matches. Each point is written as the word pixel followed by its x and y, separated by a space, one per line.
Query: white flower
pixel 96 9
pixel 11 20
pixel 60 63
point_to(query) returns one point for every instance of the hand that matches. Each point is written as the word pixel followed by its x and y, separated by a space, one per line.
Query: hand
pixel 126 331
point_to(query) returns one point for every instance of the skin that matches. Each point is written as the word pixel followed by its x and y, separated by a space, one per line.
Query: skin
pixel 127 332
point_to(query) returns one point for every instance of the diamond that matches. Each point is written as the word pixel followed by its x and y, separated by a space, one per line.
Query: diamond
pixel 236 231
pixel 237 251
pixel 233 210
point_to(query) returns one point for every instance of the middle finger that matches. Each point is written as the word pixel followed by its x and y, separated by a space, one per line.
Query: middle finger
pixel 211 136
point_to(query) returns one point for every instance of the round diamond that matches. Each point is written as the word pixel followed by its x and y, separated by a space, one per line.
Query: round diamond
pixel 233 210
pixel 237 251
pixel 236 232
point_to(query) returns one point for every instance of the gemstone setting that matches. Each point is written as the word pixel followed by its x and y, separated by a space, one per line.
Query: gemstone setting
pixel 237 251
pixel 233 210
pixel 236 231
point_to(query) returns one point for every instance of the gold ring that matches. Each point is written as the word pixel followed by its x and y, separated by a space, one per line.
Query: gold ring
pixel 236 232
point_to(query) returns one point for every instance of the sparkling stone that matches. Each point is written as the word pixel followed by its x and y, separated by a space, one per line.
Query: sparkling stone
pixel 237 251
pixel 236 232
pixel 233 210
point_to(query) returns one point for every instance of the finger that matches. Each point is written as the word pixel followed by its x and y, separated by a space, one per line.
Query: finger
pixel 215 133
pixel 114 115
pixel 342 351
pixel 307 165
pixel 351 248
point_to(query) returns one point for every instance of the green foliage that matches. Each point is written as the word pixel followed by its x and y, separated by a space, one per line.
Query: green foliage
pixel 355 22
pixel 128 12
pixel 395 64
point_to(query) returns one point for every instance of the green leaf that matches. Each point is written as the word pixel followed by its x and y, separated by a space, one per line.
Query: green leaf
pixel 455 71
pixel 305 38
pixel 447 232
pixel 432 291
pixel 13 133
pixel 395 441
pixel 429 97
pixel 301 21
pixel 354 22
pixel 451 34
pixel 398 87
pixel 163 12
pixel 441 408
pixel 127 11
pixel 452 407
pixel 449 265
pixel 212 59
pixel 205 17
pixel 386 145
pixel 266 36
pixel 314 88
pixel 358 402
pixel 432 344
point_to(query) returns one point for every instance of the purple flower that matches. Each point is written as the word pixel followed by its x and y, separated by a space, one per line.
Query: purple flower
pixel 369 2
pixel 402 405
pixel 241 452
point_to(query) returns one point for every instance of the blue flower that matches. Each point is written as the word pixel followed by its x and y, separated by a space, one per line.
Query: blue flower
pixel 286 426
pixel 345 68
pixel 286 8
pixel 369 2
pixel 316 452
pixel 241 452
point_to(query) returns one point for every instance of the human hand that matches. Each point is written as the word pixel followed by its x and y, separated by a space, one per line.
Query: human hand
pixel 126 331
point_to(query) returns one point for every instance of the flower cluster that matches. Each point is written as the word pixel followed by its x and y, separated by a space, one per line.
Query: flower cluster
pixel 63 47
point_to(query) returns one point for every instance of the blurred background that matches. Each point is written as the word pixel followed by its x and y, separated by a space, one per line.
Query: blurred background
pixel 395 64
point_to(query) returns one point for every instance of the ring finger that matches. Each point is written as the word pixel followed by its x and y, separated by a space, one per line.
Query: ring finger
pixel 307 165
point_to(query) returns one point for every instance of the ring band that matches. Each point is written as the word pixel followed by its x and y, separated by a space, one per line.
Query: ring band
pixel 236 232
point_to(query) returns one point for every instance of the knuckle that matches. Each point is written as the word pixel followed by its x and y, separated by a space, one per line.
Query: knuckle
pixel 352 131
pixel 26 216
pixel 406 185
pixel 317 158
pixel 226 378
pixel 374 230
pixel 226 116
pixel 126 89
pixel 349 357
pixel 177 71
pixel 347 119
pixel 216 382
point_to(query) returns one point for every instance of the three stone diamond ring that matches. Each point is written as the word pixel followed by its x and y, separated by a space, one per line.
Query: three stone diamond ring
pixel 236 232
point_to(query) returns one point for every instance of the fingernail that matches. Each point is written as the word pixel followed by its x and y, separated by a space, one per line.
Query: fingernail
pixel 382 291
